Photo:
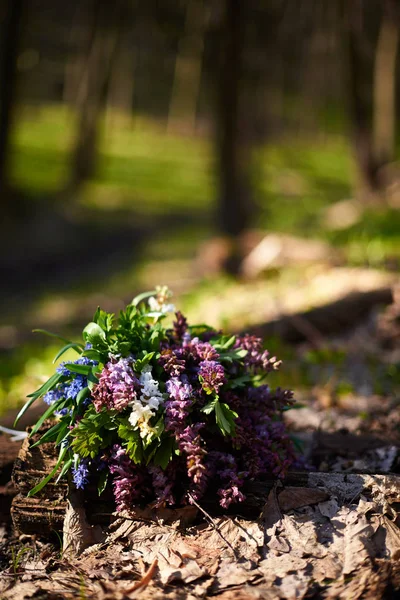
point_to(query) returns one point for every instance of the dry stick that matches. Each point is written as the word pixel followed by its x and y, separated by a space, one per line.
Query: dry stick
pixel 211 521
pixel 145 579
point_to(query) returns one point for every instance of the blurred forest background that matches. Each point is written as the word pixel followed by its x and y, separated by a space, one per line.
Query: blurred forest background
pixel 242 152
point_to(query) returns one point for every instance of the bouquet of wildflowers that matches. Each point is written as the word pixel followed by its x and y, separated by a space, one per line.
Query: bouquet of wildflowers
pixel 163 414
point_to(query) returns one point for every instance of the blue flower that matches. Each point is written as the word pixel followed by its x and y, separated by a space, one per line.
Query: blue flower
pixel 81 474
pixel 54 395
pixel 75 386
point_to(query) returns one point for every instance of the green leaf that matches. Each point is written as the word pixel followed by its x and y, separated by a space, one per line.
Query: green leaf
pixel 103 479
pixel 92 433
pixel 54 335
pixel 50 411
pixel 138 299
pixel 64 431
pixel 208 408
pixel 240 381
pixel 83 394
pixel 81 369
pixel 103 319
pixel 225 418
pixel 164 452
pixel 232 355
pixel 91 377
pixel 46 480
pixel 93 355
pixel 94 334
pixel 46 387
pixel 67 465
pixel 132 441
pixel 72 345
pixel 225 342
pixel 50 435
pixel 142 362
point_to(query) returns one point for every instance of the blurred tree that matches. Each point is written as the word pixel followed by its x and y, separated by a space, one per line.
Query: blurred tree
pixel 233 155
pixel 370 83
pixel 385 83
pixel 188 66
pixel 10 21
pixel 97 61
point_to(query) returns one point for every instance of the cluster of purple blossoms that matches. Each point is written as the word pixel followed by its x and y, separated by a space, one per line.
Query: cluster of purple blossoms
pixel 128 482
pixel 257 358
pixel 211 375
pixel 117 387
pixel 178 405
pixel 163 483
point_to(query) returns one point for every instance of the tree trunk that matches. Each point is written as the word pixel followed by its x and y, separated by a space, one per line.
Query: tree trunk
pixel 385 85
pixel 358 84
pixel 232 150
pixel 10 16
pixel 370 83
pixel 121 84
pixel 96 69
pixel 188 66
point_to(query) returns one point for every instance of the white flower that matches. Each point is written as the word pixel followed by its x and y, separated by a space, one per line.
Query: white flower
pixel 151 394
pixel 159 302
pixel 140 414
pixel 156 306
pixel 148 403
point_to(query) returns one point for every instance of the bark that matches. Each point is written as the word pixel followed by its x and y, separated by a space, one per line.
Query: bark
pixel 370 82
pixel 10 15
pixel 232 151
pixel 358 84
pixel 96 69
pixel 188 67
pixel 122 81
pixel 385 85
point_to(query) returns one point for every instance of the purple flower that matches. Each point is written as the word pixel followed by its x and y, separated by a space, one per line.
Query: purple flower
pixel 128 483
pixel 180 326
pixel 81 474
pixel 178 405
pixel 211 376
pixel 257 359
pixel 163 483
pixel 190 444
pixel 172 361
pixel 117 387
pixel 205 351
pixel 225 468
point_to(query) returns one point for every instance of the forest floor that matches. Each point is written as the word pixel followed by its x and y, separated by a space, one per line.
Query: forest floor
pixel 333 532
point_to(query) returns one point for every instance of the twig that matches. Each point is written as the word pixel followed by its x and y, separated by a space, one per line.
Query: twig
pixel 145 579
pixel 212 523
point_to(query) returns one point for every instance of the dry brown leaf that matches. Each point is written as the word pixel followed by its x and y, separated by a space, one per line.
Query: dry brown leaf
pixel 329 508
pixel 294 586
pixel 230 574
pixel 296 497
pixel 187 573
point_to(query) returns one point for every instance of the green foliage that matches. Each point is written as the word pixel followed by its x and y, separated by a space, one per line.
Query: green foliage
pixel 93 432
pixel 131 440
pixel 224 416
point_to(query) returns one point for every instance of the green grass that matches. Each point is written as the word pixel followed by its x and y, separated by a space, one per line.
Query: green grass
pixel 156 175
